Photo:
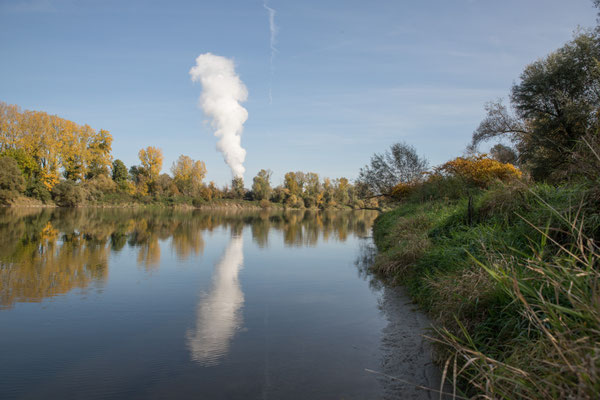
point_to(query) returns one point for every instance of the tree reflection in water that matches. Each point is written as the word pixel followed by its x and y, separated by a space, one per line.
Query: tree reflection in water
pixel 49 252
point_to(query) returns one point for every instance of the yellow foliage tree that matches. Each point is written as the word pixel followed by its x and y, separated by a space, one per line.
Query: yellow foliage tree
pixel 10 120
pixel 188 174
pixel 291 183
pixel 479 170
pixel 151 159
pixel 54 144
pixel 99 158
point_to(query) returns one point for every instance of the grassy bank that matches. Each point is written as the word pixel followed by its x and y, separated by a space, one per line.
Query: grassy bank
pixel 514 293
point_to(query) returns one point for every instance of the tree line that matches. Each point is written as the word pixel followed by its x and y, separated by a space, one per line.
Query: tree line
pixel 52 159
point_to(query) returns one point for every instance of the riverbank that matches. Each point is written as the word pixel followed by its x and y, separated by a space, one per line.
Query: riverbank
pixel 511 282
pixel 178 203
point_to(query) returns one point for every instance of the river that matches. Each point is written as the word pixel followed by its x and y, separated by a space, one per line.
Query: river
pixel 125 304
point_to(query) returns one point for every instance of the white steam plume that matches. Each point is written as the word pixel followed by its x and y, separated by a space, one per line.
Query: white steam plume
pixel 222 92
pixel 272 42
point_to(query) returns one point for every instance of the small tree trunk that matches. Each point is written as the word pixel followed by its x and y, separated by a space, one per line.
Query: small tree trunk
pixel 470 210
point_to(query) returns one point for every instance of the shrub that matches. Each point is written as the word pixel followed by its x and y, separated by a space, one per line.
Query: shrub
pixel 102 183
pixel 279 194
pixel 309 201
pixel 294 202
pixel 26 162
pixel 6 196
pixel 127 187
pixel 479 170
pixel 67 194
pixel 402 190
pixel 11 180
pixel 99 186
pixel 198 202
pixel 206 192
pixel 503 200
pixel 358 204
pixel 439 187
pixel 38 190
pixel 264 203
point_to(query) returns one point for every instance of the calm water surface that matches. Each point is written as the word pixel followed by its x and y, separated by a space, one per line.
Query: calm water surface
pixel 186 304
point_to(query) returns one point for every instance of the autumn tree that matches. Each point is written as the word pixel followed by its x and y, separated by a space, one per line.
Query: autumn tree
pixel 328 193
pixel 312 184
pixel 165 186
pixel 215 193
pixel 341 188
pixel 99 154
pixel 26 163
pixel 279 194
pixel 41 137
pixel 261 187
pixel 151 159
pixel 294 182
pixel 237 187
pixel 54 144
pixel 205 192
pixel 188 174
pixel 312 193
pixel 10 126
pixel 67 194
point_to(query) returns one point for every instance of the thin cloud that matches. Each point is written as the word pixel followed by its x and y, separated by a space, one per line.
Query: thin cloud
pixel 272 42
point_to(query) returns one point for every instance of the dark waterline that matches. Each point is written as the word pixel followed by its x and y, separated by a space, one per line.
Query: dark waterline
pixel 186 304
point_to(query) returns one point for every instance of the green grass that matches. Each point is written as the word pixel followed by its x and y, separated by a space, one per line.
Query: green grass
pixel 501 290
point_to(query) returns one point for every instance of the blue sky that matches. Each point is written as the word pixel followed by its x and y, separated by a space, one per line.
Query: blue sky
pixel 349 78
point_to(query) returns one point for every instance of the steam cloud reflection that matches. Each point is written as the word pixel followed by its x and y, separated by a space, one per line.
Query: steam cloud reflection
pixel 218 312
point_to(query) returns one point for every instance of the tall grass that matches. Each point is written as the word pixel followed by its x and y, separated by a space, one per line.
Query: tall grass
pixel 515 295
pixel 557 293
